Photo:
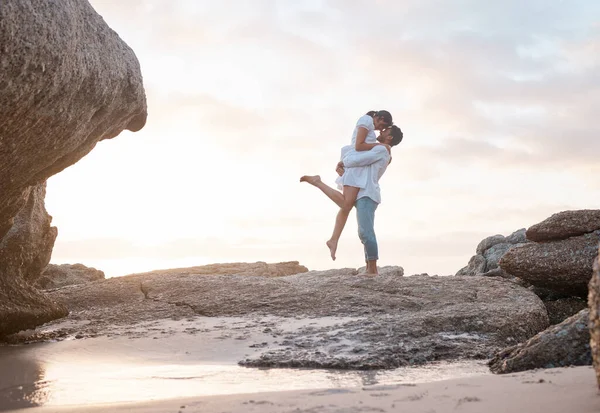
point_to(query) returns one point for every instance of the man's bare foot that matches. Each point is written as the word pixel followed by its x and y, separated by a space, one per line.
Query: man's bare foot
pixel 371 270
pixel 313 180
pixel 332 245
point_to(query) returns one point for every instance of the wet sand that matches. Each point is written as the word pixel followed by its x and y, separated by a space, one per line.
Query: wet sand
pixel 177 360
pixel 546 391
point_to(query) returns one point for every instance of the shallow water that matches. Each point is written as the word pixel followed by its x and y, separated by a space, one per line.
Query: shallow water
pixel 58 374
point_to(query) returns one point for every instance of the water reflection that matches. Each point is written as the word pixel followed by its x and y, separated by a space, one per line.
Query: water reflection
pixel 22 382
pixel 68 379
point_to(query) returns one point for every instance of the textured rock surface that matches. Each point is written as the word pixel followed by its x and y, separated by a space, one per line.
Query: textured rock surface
pixel 475 266
pixel 259 268
pixel 24 252
pixel 387 271
pixel 565 224
pixel 488 243
pixel 56 276
pixel 27 247
pixel 492 255
pixel 350 321
pixel 67 82
pixel 488 253
pixel 563 308
pixel 544 293
pixel 565 344
pixel 594 304
pixel 563 266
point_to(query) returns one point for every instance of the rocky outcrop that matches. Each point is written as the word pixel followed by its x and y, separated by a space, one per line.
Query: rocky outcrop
pixel 594 304
pixel 489 252
pixel 348 320
pixel 564 225
pixel 564 266
pixel 56 276
pixel 555 263
pixel 566 344
pixel 68 81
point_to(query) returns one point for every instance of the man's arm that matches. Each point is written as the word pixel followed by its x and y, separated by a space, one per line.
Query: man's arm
pixel 365 158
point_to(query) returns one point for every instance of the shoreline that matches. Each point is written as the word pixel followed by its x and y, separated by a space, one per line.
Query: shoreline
pixel 547 391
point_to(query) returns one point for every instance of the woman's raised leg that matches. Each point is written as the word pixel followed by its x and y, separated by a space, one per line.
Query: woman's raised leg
pixel 315 180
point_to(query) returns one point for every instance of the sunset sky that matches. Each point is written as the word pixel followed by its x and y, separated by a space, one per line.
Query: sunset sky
pixel 498 102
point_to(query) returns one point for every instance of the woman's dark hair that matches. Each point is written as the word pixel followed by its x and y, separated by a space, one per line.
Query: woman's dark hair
pixel 397 135
pixel 384 114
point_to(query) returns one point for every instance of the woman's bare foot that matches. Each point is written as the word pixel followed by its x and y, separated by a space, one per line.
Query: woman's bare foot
pixel 313 180
pixel 332 245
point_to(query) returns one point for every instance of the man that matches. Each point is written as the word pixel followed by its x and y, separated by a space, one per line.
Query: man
pixel 369 197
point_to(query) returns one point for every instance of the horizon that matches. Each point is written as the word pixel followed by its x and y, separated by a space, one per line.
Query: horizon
pixel 496 102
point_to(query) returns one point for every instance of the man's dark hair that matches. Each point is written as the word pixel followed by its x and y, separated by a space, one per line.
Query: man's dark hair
pixel 397 135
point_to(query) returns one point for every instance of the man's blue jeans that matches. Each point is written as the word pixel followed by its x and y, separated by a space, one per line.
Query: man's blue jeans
pixel 365 214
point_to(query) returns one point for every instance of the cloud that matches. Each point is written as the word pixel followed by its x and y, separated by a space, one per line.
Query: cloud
pixel 497 101
pixel 489 74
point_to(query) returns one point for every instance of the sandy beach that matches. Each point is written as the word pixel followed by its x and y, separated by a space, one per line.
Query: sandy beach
pixel 543 391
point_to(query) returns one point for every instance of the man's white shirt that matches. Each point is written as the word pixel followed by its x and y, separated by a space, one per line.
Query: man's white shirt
pixel 375 162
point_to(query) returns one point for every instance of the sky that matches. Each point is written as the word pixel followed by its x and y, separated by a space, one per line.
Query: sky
pixel 497 100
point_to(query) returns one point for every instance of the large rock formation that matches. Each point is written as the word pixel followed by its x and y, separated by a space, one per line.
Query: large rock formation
pixel 328 319
pixel 489 252
pixel 564 266
pixel 68 81
pixel 565 344
pixel 594 303
pixel 56 276
pixel 564 225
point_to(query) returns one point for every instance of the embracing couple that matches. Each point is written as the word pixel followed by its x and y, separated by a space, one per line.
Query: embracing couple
pixel 362 164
